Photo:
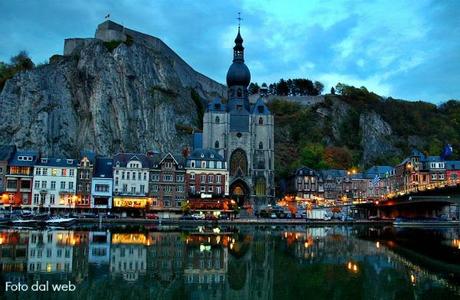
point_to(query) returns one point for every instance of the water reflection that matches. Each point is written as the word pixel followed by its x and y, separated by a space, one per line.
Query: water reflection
pixel 236 263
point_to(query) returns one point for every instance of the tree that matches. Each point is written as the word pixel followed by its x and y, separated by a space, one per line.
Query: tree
pixel 338 157
pixel 253 88
pixel 332 91
pixel 318 87
pixel 282 88
pixel 312 155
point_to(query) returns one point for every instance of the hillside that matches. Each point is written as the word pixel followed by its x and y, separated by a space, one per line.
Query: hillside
pixel 120 91
pixel 358 129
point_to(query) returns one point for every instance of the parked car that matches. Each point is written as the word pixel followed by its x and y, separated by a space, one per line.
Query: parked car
pixel 211 217
pixel 88 215
pixel 198 216
pixel 187 217
pixel 273 216
pixel 151 216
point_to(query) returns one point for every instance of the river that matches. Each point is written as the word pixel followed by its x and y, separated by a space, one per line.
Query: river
pixel 245 262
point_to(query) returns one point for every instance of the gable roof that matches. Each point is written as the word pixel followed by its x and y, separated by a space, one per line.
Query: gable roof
pixel 124 158
pixel 260 108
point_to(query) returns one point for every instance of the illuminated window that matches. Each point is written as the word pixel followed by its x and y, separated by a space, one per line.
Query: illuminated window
pixel 53 172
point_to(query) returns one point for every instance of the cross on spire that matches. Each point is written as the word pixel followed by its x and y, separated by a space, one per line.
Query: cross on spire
pixel 239 19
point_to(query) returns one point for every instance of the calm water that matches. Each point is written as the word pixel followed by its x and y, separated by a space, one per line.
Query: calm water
pixel 233 263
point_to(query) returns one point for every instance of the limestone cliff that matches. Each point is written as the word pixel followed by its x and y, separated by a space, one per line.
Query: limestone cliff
pixel 121 91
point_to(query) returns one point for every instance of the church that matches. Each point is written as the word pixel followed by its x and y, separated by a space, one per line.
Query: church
pixel 242 132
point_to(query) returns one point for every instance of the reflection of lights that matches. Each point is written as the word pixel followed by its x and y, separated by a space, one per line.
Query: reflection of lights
pixel 412 279
pixel 231 246
pixel 352 267
pixel 48 267
pixel 1 240
pixel 205 248
pixel 285 234
pixel 306 245
pixel 216 230
pixel 218 239
pixel 377 245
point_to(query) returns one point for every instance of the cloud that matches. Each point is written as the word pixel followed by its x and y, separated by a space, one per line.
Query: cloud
pixel 401 49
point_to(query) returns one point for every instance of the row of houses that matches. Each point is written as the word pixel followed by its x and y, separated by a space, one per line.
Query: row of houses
pixel 124 181
pixel 417 172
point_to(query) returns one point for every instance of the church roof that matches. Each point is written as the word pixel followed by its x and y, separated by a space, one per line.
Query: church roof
pixel 260 108
pixel 216 105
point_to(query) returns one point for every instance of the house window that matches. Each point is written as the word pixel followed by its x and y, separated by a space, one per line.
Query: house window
pixel 192 176
pixel 203 178
pixel 192 164
pixel 216 144
pixel 53 185
pixel 219 165
pixel 44 184
pixel 218 190
pixel 217 120
pixel 71 172
pixel 218 179
pixel 210 178
pixel 203 164
pixel 52 198
pixel 261 121
pixel 261 145
pixel 192 189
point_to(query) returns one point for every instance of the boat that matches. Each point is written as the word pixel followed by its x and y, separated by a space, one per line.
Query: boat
pixel 24 222
pixel 59 221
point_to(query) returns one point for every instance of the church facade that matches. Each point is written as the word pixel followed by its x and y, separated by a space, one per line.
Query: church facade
pixel 242 132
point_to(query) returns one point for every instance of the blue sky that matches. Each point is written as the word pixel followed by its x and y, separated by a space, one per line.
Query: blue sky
pixel 403 49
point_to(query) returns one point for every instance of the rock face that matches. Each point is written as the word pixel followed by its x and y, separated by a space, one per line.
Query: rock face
pixel 108 97
pixel 376 138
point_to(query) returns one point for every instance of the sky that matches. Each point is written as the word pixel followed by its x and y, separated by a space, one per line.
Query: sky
pixel 403 49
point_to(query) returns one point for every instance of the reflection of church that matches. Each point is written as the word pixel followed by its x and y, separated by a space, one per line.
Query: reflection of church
pixel 242 132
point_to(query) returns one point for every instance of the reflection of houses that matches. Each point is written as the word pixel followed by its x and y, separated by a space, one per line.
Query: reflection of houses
pixel 207 174
pixel 50 251
pixel 99 247
pixel 242 133
pixel 165 258
pixel 167 182
pixel 206 266
pixel 55 183
pixel 84 175
pixel 13 254
pixel 80 256
pixel 102 184
pixel 128 255
pixel 19 178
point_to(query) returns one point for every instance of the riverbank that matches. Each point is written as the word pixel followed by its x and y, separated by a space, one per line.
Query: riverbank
pixel 252 221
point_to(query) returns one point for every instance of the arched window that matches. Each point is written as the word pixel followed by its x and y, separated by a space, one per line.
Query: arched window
pixel 216 144
pixel 260 187
pixel 261 145
pixel 217 120
pixel 239 93
pixel 261 121
pixel 238 163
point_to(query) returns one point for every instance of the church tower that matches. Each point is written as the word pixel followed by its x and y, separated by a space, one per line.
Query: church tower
pixel 243 134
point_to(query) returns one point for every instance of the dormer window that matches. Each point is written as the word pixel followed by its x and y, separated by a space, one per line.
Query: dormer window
pixel 216 145
pixel 261 120
pixel 44 160
pixel 70 161
pixel 217 120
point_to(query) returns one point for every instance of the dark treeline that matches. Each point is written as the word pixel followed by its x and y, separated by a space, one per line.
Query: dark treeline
pixel 291 87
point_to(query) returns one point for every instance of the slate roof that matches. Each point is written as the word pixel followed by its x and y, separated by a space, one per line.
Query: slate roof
pixel 380 171
pixel 260 108
pixel 104 167
pixel 6 151
pixel 334 173
pixel 124 158
pixel 216 105
pixel 14 160
pixel 205 154
pixel 453 164
pixel 306 171
pixel 57 162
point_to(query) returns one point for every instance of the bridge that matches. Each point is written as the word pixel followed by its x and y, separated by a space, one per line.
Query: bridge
pixel 426 200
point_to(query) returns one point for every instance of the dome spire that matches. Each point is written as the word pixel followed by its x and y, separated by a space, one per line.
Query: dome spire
pixel 238 50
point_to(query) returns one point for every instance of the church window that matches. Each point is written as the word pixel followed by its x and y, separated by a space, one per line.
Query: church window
pixel 261 121
pixel 239 93
pixel 261 145
pixel 238 163
pixel 260 186
pixel 216 144
pixel 260 108
pixel 217 120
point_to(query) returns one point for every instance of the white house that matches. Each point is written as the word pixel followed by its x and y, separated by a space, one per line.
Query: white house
pixel 54 184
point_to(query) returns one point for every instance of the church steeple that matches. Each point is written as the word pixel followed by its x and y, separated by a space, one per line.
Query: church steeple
pixel 238 50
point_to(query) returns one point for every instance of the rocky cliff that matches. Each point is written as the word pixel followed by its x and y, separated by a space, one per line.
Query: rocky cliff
pixel 121 91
